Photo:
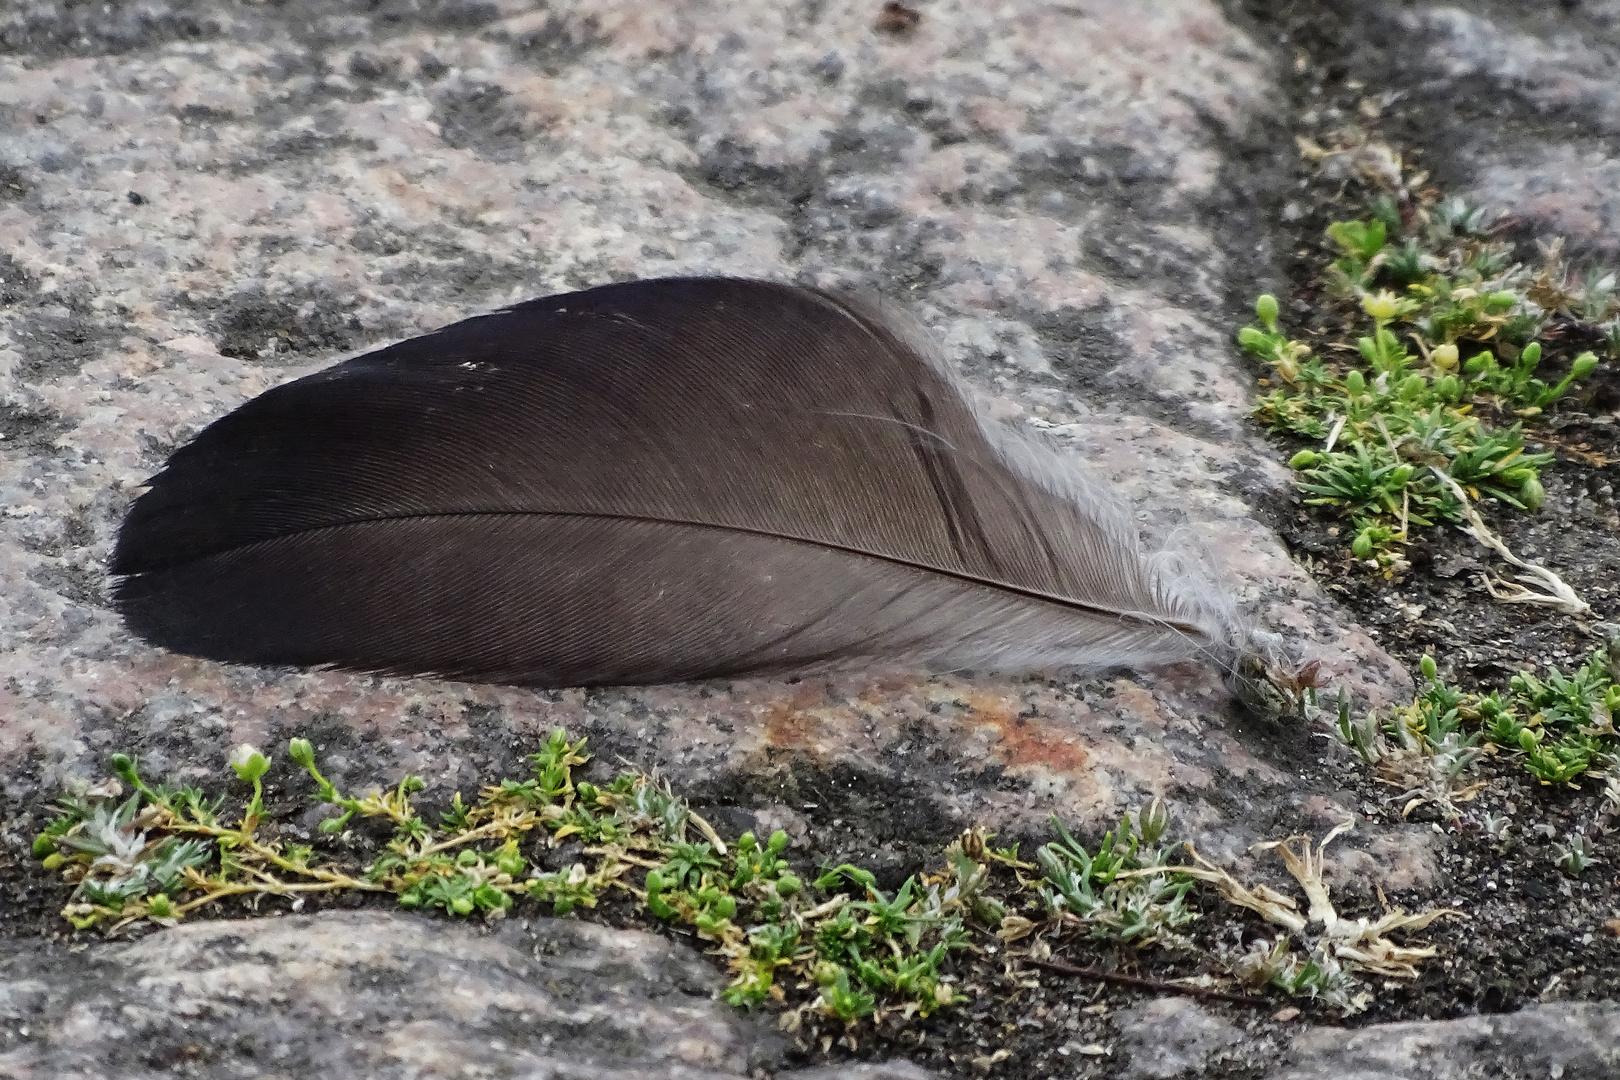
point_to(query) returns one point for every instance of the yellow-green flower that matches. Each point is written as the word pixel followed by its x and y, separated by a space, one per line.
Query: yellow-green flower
pixel 1382 305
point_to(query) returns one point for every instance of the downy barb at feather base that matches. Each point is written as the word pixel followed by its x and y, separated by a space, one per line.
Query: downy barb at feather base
pixel 646 482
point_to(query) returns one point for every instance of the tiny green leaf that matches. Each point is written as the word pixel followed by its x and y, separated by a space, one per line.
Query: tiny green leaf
pixel 1531 493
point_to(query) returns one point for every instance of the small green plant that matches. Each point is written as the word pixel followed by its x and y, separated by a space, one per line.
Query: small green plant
pixel 1517 383
pixel 137 858
pixel 1422 748
pixel 1560 725
pixel 843 1002
pixel 1574 855
pixel 1403 402
pixel 1317 976
pixel 1361 734
pixel 1126 889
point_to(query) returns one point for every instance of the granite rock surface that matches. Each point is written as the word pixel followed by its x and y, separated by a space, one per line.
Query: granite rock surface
pixel 1177 1038
pixel 406 996
pixel 201 200
pixel 1572 1042
pixel 205 200
pixel 377 995
pixel 1513 106
pixel 1541 115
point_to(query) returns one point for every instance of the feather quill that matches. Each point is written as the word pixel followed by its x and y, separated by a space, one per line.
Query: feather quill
pixel 646 482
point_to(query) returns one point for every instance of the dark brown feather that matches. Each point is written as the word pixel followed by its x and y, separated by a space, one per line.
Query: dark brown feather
pixel 643 482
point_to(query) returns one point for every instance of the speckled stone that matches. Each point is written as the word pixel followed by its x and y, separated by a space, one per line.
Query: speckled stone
pixel 1569 1042
pixel 199 201
pixel 1178 1039
pixel 406 996
pixel 1172 1037
pixel 1522 109
pixel 374 995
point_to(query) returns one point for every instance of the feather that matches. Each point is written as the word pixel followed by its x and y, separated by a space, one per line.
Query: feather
pixel 646 482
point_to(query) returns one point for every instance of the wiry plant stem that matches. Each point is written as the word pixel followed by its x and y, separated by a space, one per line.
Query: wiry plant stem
pixel 1559 595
